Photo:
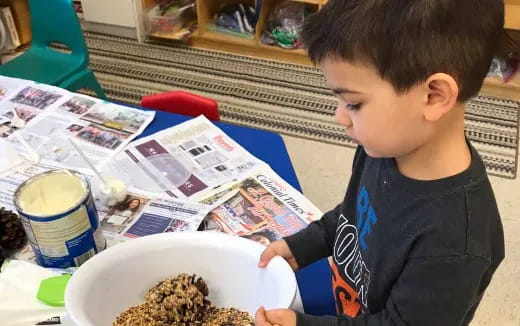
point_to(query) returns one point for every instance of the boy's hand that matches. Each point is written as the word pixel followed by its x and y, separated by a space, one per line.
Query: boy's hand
pixel 277 317
pixel 278 248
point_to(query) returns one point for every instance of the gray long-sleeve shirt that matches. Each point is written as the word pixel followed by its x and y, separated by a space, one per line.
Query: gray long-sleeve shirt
pixel 406 252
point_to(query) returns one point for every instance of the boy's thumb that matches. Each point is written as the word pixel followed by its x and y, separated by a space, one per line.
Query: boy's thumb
pixel 266 257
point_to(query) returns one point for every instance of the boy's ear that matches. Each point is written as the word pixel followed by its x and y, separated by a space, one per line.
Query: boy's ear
pixel 442 93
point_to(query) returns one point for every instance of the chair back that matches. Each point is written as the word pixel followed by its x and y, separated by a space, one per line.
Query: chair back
pixel 184 103
pixel 56 21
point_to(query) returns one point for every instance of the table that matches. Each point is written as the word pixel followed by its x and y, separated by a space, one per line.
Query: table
pixel 314 281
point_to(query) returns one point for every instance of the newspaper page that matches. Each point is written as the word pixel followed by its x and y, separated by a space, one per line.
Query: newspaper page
pixel 10 86
pixel 262 207
pixel 139 214
pixel 184 160
pixel 22 100
pixel 45 116
pixel 99 128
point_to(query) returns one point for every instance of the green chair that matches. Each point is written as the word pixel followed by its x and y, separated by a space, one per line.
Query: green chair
pixel 55 21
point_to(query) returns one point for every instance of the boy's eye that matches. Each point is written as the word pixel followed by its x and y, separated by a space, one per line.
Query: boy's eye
pixel 353 107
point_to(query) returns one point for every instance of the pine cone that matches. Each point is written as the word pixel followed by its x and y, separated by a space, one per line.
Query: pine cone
pixel 2 258
pixel 12 234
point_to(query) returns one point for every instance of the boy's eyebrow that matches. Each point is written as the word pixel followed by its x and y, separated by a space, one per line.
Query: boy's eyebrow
pixel 344 90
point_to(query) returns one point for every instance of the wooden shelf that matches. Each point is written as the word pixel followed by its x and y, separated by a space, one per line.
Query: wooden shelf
pixel 208 39
pixel 224 38
pixel 312 2
pixel 148 4
pixel 512 19
pixel 275 48
pixel 227 43
pixel 495 86
pixel 170 36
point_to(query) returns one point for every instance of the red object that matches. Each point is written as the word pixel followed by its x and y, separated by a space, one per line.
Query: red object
pixel 182 103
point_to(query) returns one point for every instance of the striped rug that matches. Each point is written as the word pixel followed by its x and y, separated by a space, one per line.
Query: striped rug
pixel 286 98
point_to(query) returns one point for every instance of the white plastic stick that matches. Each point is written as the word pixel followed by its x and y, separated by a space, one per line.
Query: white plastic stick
pixel 32 154
pixel 84 157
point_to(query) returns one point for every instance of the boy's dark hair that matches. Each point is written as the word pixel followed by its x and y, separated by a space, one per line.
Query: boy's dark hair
pixel 409 40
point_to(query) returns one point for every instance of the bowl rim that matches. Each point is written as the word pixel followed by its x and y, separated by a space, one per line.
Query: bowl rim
pixel 78 318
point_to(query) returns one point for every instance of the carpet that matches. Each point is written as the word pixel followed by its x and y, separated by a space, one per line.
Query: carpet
pixel 286 98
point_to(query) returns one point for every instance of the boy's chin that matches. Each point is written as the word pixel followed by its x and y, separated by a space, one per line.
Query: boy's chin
pixel 376 154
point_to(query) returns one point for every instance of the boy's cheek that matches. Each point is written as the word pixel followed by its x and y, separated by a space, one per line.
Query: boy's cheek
pixel 342 117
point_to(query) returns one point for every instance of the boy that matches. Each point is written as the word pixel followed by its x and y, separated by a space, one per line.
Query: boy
pixel 418 235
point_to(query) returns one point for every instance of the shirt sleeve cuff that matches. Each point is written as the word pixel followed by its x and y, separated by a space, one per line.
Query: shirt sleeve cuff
pixel 307 246
pixel 309 320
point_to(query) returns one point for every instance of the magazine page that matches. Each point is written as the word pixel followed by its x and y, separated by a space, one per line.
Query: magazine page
pixel 262 207
pixel 184 160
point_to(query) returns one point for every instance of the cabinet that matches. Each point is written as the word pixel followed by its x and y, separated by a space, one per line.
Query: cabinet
pixel 493 85
pixel 204 38
pixel 208 39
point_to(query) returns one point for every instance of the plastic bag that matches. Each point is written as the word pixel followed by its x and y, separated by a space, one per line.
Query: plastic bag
pixel 236 19
pixel 503 68
pixel 173 16
pixel 284 25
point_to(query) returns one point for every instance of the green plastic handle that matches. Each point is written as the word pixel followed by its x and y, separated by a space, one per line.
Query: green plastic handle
pixel 52 290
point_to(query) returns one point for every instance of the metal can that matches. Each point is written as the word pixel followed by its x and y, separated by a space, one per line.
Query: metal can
pixel 60 218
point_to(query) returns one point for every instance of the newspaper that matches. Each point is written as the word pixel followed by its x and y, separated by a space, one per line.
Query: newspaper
pixel 10 86
pixel 45 116
pixel 139 214
pixel 142 214
pixel 100 129
pixel 178 177
pixel 182 161
pixel 21 101
pixel 262 207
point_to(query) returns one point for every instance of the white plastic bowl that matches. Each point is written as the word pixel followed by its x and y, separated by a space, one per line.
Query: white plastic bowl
pixel 119 277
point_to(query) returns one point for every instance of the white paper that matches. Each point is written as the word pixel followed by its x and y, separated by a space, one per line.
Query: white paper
pixel 19 284
pixel 9 157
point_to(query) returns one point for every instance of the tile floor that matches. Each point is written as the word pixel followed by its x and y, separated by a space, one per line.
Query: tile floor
pixel 324 170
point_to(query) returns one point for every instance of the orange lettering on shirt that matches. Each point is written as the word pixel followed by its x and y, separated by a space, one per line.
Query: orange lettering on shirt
pixel 346 297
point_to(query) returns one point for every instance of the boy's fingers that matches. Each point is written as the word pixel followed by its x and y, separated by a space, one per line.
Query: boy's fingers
pixel 281 317
pixel 266 256
pixel 260 319
pixel 274 316
pixel 294 265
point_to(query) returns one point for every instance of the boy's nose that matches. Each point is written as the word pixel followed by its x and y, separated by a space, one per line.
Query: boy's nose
pixel 343 117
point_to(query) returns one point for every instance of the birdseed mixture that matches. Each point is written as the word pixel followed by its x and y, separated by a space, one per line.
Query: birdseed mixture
pixel 181 301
